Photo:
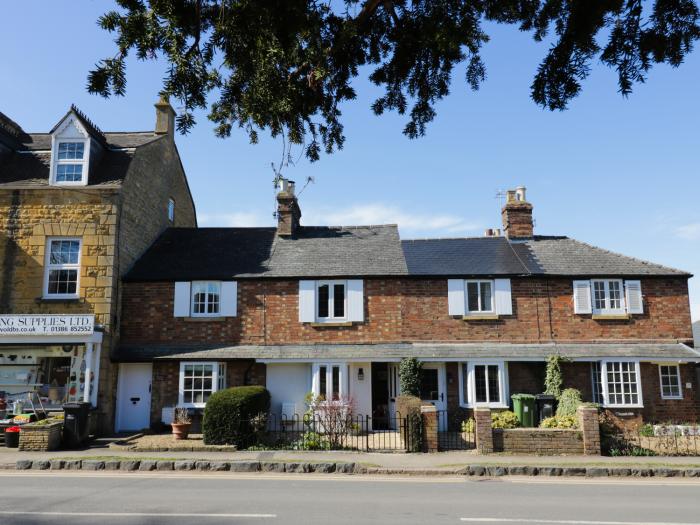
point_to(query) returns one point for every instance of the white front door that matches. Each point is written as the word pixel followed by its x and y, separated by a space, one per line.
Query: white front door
pixel 134 396
pixel 394 391
pixel 432 390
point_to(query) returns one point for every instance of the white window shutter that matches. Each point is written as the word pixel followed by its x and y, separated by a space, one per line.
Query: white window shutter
pixel 307 301
pixel 182 299
pixel 504 301
pixel 633 297
pixel 582 297
pixel 356 301
pixel 229 298
pixel 456 303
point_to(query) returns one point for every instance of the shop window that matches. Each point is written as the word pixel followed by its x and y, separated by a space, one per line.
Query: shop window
pixel 62 272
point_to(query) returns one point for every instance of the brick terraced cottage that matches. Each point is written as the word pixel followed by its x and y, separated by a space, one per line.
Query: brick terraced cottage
pixel 77 207
pixel 333 310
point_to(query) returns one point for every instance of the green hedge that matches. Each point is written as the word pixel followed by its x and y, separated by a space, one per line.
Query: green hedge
pixel 228 413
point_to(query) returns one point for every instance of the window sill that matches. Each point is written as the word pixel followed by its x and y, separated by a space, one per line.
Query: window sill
pixel 205 319
pixel 481 317
pixel 49 300
pixel 497 406
pixel 622 407
pixel 672 398
pixel 611 317
pixel 330 324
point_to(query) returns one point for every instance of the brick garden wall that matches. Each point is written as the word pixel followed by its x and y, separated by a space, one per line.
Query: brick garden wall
pixel 538 441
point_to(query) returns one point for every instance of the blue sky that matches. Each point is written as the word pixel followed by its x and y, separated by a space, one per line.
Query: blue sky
pixel 623 174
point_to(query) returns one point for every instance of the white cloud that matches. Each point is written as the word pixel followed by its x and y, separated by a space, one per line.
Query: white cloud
pixel 355 215
pixel 689 231
pixel 378 213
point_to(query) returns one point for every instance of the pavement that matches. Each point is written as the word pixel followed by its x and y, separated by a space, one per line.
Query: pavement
pixel 86 498
pixel 398 461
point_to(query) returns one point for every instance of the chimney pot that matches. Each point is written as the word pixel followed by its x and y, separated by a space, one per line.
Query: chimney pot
pixel 288 211
pixel 488 232
pixel 517 215
pixel 165 118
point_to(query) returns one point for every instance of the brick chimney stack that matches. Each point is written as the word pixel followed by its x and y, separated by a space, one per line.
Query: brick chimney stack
pixel 165 118
pixel 288 211
pixel 517 215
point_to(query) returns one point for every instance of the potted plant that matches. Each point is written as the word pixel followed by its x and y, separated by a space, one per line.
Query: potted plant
pixel 181 423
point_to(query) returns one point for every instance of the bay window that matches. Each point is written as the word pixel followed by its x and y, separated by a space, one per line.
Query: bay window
pixel 483 384
pixel 670 378
pixel 198 381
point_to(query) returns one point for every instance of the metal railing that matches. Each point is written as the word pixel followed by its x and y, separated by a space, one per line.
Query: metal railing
pixel 337 431
pixel 451 433
pixel 653 440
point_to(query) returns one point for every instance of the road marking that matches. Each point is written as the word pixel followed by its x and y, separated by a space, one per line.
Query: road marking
pixel 130 514
pixel 570 522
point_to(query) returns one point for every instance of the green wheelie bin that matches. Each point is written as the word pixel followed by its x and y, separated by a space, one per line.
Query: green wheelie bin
pixel 524 408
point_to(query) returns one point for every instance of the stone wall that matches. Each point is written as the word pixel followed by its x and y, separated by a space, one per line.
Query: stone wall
pixel 41 438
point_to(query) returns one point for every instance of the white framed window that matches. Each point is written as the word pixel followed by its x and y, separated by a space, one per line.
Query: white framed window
pixel 331 301
pixel 621 384
pixel 670 379
pixel 171 210
pixel 198 381
pixel 329 380
pixel 483 384
pixel 206 299
pixel 596 383
pixel 479 297
pixel 608 296
pixel 62 268
pixel 70 162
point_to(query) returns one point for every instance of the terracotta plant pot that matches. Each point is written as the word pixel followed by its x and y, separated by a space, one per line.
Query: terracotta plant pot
pixel 181 430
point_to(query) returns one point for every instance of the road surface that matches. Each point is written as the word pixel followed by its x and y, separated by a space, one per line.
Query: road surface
pixel 44 498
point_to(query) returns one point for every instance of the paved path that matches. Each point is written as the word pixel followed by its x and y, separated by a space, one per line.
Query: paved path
pixel 388 460
pixel 35 498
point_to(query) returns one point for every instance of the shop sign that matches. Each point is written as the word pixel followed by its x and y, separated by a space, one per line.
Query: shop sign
pixel 28 325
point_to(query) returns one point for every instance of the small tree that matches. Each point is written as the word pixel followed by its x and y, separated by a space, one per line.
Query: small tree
pixel 553 378
pixel 409 376
pixel 330 418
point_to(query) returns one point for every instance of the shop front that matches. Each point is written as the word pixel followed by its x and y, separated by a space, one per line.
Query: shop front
pixel 47 361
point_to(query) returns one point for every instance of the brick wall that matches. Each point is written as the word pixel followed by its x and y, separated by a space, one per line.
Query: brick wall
pixel 41 438
pixel 538 441
pixel 165 384
pixel 405 310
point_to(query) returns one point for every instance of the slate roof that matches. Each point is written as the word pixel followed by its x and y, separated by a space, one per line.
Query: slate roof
pixel 29 167
pixel 541 255
pixel 315 251
pixel 396 351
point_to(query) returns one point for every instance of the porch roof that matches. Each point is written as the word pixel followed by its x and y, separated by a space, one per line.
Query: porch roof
pixel 396 351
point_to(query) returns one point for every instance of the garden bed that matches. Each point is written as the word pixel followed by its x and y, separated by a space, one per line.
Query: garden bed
pixel 42 436
pixel 166 443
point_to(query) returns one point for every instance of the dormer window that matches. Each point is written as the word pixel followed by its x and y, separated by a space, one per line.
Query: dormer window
pixel 70 163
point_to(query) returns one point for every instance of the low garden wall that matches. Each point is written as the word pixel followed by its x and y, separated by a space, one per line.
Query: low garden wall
pixel 584 440
pixel 41 437
pixel 538 441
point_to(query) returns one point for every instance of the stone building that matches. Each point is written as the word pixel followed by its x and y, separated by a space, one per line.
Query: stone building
pixel 77 207
pixel 332 310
